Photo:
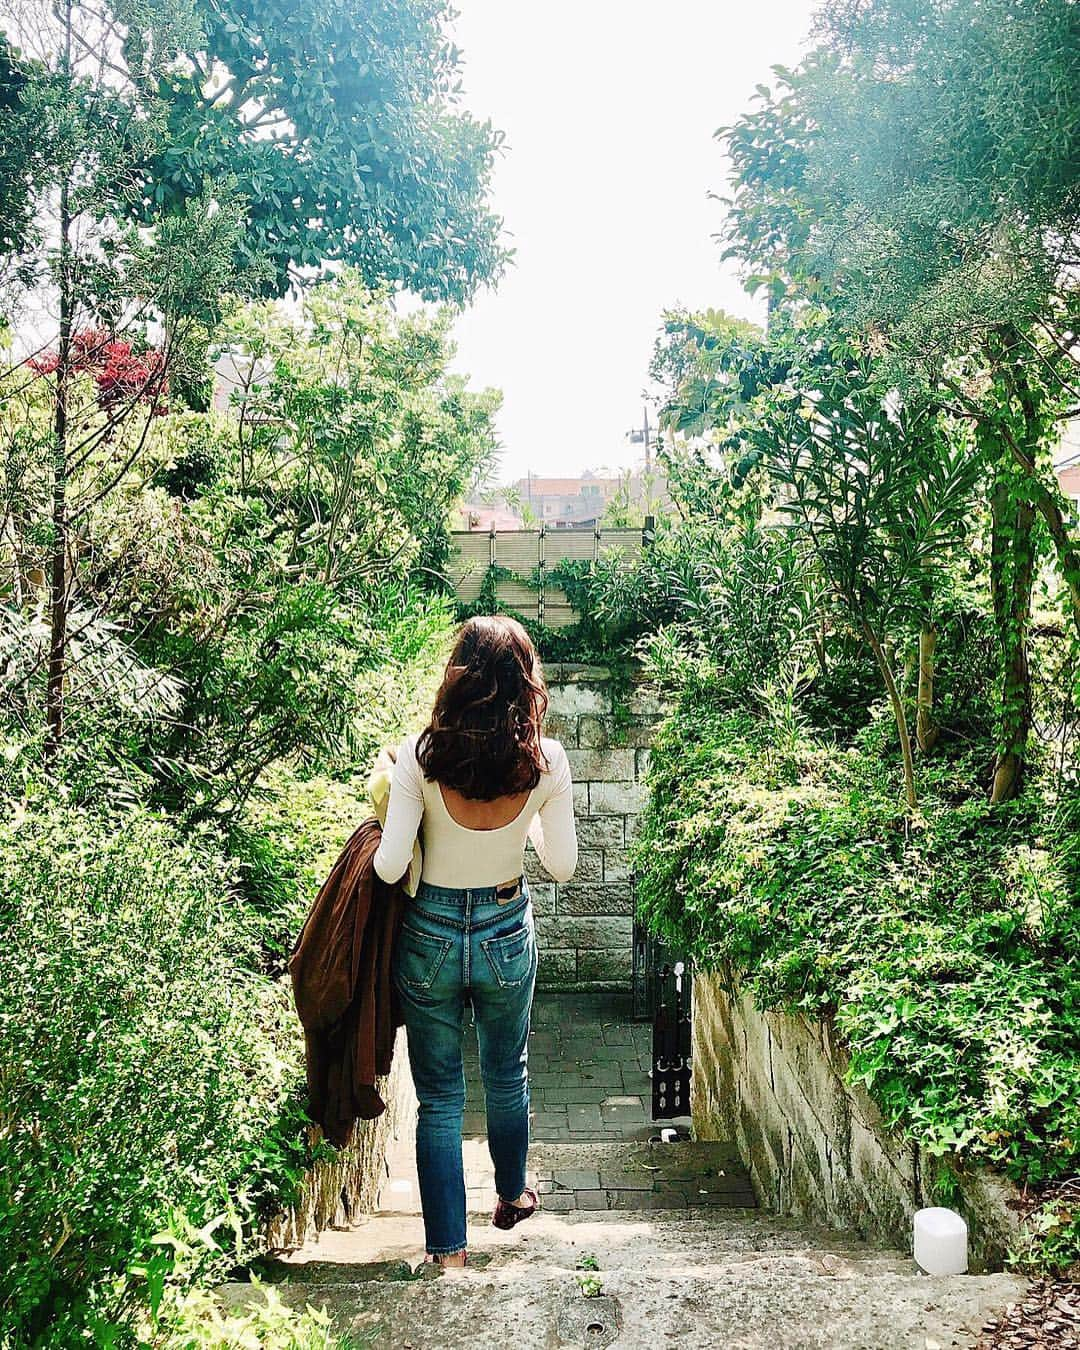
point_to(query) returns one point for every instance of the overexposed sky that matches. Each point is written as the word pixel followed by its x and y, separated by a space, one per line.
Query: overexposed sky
pixel 609 109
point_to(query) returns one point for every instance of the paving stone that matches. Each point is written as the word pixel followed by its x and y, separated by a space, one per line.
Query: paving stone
pixel 559 1204
pixel 627 1181
pixel 601 1075
pixel 589 1092
pixel 584 1117
pixel 544 1119
pixel 553 1078
pixel 574 1096
pixel 591 1199
pixel 579 1048
pixel 705 1279
pixel 636 1200
pixel 578 1180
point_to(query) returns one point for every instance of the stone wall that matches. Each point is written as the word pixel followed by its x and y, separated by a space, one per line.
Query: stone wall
pixel 816 1146
pixel 585 927
pixel 346 1183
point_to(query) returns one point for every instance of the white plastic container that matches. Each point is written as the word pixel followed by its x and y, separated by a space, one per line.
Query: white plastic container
pixel 941 1238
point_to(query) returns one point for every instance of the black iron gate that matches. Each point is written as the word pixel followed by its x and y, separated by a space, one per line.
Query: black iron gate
pixel 662 994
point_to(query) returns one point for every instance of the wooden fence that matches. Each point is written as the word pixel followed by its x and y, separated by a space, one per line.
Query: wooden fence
pixel 529 557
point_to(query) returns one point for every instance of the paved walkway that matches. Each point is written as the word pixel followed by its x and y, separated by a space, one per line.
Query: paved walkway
pixel 590 1085
pixel 640 1244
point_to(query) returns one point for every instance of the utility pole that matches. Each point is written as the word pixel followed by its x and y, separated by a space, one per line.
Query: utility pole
pixel 643 437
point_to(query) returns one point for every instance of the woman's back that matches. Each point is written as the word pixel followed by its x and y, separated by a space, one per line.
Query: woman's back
pixel 472 843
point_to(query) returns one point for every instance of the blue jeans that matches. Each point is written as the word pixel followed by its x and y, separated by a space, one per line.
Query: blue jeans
pixel 454 946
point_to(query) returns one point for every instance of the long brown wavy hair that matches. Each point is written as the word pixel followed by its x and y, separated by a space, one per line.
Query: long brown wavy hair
pixel 484 736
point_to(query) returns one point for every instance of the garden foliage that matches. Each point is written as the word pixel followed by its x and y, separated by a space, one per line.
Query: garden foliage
pixel 947 946
pixel 151 1074
pixel 249 623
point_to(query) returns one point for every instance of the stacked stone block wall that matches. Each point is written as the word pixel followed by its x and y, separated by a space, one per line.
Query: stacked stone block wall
pixel 345 1183
pixel 816 1145
pixel 585 926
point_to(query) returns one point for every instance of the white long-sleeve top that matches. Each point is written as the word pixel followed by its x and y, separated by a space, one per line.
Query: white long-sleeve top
pixel 458 857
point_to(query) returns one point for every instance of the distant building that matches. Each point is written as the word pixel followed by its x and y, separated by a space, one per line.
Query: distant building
pixel 563 503
pixel 566 501
pixel 487 518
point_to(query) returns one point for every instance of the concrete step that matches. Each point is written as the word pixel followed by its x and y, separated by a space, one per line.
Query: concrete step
pixel 607 1175
pixel 705 1277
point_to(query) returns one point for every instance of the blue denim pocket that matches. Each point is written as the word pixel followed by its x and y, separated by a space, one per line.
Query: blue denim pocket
pixel 511 955
pixel 419 957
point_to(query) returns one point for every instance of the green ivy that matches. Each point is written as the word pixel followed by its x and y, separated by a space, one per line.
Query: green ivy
pixel 947 946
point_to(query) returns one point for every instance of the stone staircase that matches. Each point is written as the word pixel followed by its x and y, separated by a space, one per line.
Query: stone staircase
pixel 640 1243
pixel 713 1277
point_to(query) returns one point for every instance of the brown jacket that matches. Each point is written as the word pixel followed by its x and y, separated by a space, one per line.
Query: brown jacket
pixel 343 988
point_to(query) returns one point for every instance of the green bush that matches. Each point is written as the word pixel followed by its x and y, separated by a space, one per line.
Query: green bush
pixel 196 1321
pixel 947 944
pixel 150 1061
pixel 294 826
pixel 145 1067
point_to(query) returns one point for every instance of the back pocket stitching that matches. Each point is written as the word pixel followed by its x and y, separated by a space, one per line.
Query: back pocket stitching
pixel 442 951
pixel 487 944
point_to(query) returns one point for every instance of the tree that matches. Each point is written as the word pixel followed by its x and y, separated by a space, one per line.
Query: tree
pixel 182 152
pixel 922 182
pixel 15 191
pixel 328 492
pixel 959 215
pixel 879 489
pixel 335 121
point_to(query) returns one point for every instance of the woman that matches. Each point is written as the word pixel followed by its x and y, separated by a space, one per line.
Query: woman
pixel 478 781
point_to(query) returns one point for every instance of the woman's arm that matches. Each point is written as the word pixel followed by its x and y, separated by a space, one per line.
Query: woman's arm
pixel 403 817
pixel 552 831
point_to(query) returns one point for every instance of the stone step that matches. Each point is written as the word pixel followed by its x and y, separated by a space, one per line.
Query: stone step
pixel 706 1277
pixel 608 1175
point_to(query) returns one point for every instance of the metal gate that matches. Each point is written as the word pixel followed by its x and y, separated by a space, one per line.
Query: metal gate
pixel 662 986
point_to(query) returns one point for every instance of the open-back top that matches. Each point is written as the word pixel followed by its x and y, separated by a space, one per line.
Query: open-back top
pixel 459 857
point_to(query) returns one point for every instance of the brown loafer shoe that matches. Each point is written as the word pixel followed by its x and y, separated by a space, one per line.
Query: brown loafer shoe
pixel 507 1215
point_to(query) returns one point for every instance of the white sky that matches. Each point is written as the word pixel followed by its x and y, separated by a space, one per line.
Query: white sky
pixel 609 109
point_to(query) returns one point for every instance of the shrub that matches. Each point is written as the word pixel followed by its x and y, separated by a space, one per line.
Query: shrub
pixel 948 944
pixel 145 1067
pixel 198 1322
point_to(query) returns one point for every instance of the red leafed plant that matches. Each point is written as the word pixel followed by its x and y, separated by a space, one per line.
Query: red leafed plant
pixel 119 371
